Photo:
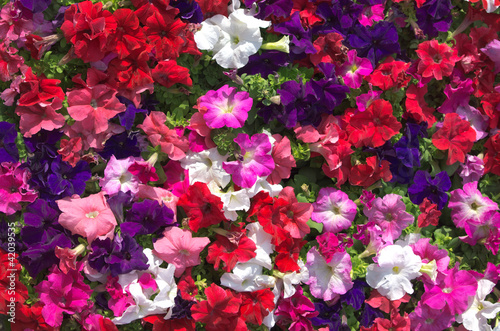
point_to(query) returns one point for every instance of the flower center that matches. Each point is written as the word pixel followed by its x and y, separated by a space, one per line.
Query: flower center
pixel 336 210
pixel 395 270
pixel 93 103
pixel 447 290
pixel 92 214
pixel 474 206
pixel 236 40
pixel 184 252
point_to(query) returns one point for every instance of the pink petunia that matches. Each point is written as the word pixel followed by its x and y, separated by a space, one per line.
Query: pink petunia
pixel 14 187
pixel 334 209
pixel 40 116
pixel 254 160
pixel 89 217
pixel 354 69
pixel 283 159
pixel 95 106
pixel 225 107
pixel 118 178
pixel 179 248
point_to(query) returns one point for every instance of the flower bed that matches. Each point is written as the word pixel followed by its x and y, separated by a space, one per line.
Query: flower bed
pixel 217 165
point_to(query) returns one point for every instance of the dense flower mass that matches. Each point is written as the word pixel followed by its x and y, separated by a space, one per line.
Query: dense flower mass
pixel 249 165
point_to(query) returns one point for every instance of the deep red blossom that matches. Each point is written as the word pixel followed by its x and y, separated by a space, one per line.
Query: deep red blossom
pixel 374 126
pixel 436 60
pixel 201 206
pixel 10 265
pixel 186 286
pixel 416 106
pixel 367 174
pixel 256 305
pixel 177 324
pixel 146 8
pixel 492 157
pixel 456 136
pixel 36 89
pixel 210 8
pixel 231 252
pixel 288 254
pixel 163 33
pixel 30 318
pixel 70 150
pixel 220 311
pixel 129 36
pixel 491 104
pixel 389 74
pixel 343 151
pixel 429 214
pixel 88 27
pixel 168 73
pixel 396 323
pixel 329 49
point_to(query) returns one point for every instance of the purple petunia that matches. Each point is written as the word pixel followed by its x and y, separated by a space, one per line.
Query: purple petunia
pixel 424 186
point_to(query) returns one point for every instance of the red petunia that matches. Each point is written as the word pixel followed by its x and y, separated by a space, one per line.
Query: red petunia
pixel 256 305
pixel 374 126
pixel 492 157
pixel 36 89
pixel 239 249
pixel 367 174
pixel 456 136
pixel 202 207
pixel 172 324
pixel 436 60
pixel 88 27
pixel 220 311
pixel 129 36
pixel 210 8
pixel 491 104
pixel 288 254
pixel 163 33
pixel 168 73
pixel 429 214
pixel 30 318
pixel 10 62
pixel 329 49
pixel 377 300
pixel 416 106
pixel 389 74
pixel 186 286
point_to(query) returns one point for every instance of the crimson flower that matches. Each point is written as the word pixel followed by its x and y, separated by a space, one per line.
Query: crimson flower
pixel 436 60
pixel 239 249
pixel 168 73
pixel 374 126
pixel 202 207
pixel 456 136
pixel 129 35
pixel 429 214
pixel 416 106
pixel 163 31
pixel 220 311
pixel 88 27
pixel 186 286
pixel 390 74
pixel 367 174
pixel 37 89
pixel 288 255
pixel 256 305
pixel 492 157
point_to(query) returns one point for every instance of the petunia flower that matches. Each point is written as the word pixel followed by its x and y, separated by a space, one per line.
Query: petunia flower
pixel 232 39
pixel 334 209
pixel 472 169
pixel 206 166
pixel 480 310
pixel 117 177
pixel 14 187
pixel 179 248
pixel 283 159
pixel 252 162
pixel 63 293
pixel 247 277
pixel 425 318
pixel 354 69
pixel 225 107
pixel 89 217
pixel 390 214
pixel 424 186
pixel 231 250
pixel 436 60
pixel 392 274
pixel 327 280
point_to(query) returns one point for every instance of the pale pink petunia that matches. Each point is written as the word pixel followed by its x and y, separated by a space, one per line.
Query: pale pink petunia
pixel 90 139
pixel 40 116
pixel 173 144
pixel 327 280
pixel 89 217
pixel 225 107
pixel 334 209
pixel 117 177
pixel 96 106
pixel 179 248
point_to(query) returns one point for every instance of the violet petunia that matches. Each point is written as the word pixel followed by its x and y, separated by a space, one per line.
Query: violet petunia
pixel 424 186
pixel 8 135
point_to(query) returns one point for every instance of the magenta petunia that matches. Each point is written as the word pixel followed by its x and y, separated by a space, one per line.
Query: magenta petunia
pixel 354 69
pixel 225 107
pixel 14 187
pixel 253 161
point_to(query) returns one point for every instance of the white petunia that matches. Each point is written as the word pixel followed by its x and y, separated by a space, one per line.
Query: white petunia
pixel 396 267
pixel 247 277
pixel 262 240
pixel 232 39
pixel 232 200
pixel 206 166
pixel 290 279
pixel 475 318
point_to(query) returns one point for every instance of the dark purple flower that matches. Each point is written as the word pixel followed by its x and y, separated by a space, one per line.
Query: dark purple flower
pixel 188 10
pixel 278 8
pixel 43 139
pixel 333 92
pixel 300 103
pixel 328 315
pixel 40 236
pixel 119 256
pixel 368 315
pixel 182 308
pixel 127 118
pixel 301 39
pixel 8 148
pixel 36 6
pixel 375 42
pixel 118 202
pixel 121 146
pixel 356 295
pixel 339 16
pixel 147 217
pixel 433 189
pixel 265 64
